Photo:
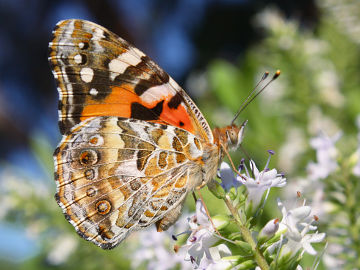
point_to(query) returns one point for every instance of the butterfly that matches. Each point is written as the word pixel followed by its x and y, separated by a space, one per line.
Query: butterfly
pixel 134 144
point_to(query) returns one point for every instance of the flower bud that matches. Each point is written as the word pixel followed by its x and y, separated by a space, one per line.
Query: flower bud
pixel 268 230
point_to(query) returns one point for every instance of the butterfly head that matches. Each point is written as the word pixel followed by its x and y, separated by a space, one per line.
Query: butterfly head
pixel 234 135
pixel 231 136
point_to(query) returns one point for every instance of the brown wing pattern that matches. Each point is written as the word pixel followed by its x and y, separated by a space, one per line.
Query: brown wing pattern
pixel 116 175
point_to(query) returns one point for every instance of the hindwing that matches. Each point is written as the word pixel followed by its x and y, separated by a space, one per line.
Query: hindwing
pixel 116 175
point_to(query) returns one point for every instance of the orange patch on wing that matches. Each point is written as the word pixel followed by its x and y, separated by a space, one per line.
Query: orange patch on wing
pixel 117 103
pixel 178 117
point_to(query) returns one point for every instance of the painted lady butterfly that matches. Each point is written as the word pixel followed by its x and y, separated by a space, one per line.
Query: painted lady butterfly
pixel 134 144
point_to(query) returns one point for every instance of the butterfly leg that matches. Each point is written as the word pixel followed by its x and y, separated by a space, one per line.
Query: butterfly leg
pixel 206 210
pixel 231 162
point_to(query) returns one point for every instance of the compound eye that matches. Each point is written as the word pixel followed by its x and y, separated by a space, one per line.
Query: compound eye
pixel 231 136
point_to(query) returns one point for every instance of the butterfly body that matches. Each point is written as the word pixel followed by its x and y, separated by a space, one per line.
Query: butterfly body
pixel 134 144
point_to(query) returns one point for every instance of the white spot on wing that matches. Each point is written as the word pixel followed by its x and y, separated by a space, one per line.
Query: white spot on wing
pixel 93 92
pixel 174 84
pixel 98 34
pixel 86 74
pixel 81 45
pixel 129 58
pixel 118 65
pixel 138 52
pixel 157 92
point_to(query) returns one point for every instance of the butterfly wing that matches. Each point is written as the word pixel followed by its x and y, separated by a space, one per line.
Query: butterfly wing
pixel 100 74
pixel 115 175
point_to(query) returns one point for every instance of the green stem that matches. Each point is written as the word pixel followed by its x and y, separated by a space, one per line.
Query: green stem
pixel 246 234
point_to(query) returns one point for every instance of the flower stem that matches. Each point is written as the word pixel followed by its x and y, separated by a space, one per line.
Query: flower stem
pixel 246 234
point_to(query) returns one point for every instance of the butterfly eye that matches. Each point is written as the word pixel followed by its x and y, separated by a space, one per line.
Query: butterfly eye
pixel 234 136
pixel 231 137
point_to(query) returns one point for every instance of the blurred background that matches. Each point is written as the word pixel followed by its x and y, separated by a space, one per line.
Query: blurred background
pixel 217 50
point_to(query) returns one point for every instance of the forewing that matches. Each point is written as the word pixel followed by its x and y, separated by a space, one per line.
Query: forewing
pixel 100 74
pixel 116 175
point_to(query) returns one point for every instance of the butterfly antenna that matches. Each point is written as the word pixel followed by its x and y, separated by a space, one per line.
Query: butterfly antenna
pixel 255 92
pixel 266 74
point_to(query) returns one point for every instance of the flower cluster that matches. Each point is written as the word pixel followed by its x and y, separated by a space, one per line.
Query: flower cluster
pixel 227 241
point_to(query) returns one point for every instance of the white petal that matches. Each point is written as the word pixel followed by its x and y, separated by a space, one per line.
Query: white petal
pixel 208 241
pixel 255 195
pixel 224 250
pixel 226 171
pixel 201 215
pixel 317 237
pixel 205 263
pixel 301 212
pixel 254 169
pixel 309 249
pixel 227 175
pixel 279 182
pixel 269 175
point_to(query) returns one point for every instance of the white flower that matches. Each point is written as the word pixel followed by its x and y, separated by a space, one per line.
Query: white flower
pixel 298 240
pixel 325 154
pixel 295 226
pixel 294 217
pixel 156 250
pixel 215 262
pixel 200 244
pixel 202 236
pixel 228 179
pixel 259 182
